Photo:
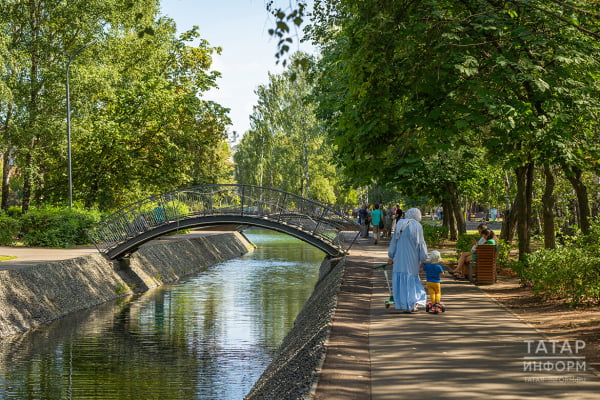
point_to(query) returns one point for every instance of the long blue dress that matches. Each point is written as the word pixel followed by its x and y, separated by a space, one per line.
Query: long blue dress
pixel 408 250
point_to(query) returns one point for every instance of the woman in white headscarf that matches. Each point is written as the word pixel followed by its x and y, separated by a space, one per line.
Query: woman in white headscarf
pixel 407 252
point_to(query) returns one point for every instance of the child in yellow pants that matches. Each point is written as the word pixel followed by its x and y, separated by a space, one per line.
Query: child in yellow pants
pixel 433 272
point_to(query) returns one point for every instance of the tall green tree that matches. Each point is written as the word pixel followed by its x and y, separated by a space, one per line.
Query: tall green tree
pixel 407 80
pixel 152 129
pixel 42 36
pixel 139 123
pixel 286 147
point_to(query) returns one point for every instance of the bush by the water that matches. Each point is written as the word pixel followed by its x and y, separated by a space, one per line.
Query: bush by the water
pixel 56 227
pixel 9 229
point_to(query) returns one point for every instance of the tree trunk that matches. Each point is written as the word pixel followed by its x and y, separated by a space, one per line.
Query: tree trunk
pixel 548 200
pixel 456 209
pixel 509 224
pixel 523 206
pixel 583 210
pixel 448 219
pixel 5 180
pixel 92 197
pixel 27 178
pixel 6 159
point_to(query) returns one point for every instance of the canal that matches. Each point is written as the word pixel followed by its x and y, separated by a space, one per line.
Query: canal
pixel 209 336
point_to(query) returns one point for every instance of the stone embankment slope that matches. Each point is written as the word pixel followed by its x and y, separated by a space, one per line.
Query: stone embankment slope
pixel 34 292
pixel 32 295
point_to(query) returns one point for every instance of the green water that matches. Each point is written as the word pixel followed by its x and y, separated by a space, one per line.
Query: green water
pixel 207 337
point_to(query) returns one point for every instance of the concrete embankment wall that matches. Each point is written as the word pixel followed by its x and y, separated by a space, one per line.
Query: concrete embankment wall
pixel 294 372
pixel 34 295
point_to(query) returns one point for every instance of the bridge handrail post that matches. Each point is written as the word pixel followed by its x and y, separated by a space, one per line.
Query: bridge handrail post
pixel 319 221
pixel 242 199
pixel 352 242
pixel 282 207
pixel 177 211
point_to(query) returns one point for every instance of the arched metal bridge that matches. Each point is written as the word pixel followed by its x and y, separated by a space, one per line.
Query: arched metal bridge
pixel 319 224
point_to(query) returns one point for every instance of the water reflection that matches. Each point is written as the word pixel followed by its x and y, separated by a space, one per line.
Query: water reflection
pixel 208 337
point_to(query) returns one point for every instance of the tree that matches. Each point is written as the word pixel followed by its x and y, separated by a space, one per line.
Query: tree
pixel 409 80
pixel 140 124
pixel 286 147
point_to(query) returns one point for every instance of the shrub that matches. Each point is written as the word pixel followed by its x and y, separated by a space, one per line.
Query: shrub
pixel 566 273
pixel 434 235
pixel 9 229
pixel 464 243
pixel 54 227
pixel 14 211
pixel 503 253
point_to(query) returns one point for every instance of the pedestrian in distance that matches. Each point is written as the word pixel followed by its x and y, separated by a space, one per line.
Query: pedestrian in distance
pixel 364 221
pixel 388 222
pixel 159 214
pixel 398 214
pixel 376 220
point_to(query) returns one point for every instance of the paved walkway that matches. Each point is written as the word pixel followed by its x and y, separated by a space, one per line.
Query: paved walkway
pixel 475 350
pixel 27 256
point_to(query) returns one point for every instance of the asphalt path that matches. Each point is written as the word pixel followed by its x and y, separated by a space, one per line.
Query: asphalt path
pixel 477 349
pixel 28 256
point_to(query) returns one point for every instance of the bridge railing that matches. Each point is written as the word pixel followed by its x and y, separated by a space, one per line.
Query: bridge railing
pixel 317 219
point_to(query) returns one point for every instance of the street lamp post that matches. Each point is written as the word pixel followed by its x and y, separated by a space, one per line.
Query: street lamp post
pixel 69 121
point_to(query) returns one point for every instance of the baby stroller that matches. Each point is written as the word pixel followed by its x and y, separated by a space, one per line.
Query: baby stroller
pixel 391 299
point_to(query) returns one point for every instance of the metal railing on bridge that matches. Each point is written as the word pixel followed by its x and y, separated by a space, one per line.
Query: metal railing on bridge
pixel 219 204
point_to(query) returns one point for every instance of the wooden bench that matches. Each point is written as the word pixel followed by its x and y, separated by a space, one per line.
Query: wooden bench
pixel 483 270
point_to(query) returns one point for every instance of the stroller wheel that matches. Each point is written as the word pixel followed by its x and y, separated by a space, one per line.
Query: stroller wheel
pixel 427 307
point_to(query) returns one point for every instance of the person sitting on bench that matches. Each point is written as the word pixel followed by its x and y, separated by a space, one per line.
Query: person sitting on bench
pixel 459 271
pixel 490 238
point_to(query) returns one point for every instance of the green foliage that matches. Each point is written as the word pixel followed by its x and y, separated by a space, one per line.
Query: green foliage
pixel 14 211
pixel 421 94
pixel 287 20
pixel 566 273
pixel 140 124
pixel 9 228
pixel 570 272
pixel 435 235
pixel 503 253
pixel 464 242
pixel 286 147
pixel 55 227
pixel 122 288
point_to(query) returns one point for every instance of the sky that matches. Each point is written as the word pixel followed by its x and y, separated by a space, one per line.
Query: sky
pixel 240 28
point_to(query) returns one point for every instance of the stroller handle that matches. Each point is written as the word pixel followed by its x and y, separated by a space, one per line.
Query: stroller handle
pixel 381 266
